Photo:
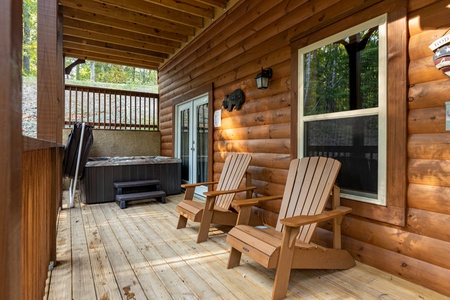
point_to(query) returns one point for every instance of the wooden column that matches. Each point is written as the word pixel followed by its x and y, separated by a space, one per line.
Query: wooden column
pixel 11 147
pixel 50 97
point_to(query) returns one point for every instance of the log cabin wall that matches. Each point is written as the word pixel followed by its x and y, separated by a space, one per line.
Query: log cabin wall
pixel 257 34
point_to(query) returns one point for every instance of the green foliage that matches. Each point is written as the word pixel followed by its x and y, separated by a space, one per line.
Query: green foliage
pixel 327 76
pixel 29 46
pixel 115 76
pixel 121 77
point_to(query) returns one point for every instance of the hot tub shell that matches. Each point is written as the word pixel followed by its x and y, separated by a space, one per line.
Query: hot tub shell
pixel 96 185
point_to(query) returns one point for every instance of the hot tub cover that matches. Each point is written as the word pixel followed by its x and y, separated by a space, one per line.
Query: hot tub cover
pixel 72 149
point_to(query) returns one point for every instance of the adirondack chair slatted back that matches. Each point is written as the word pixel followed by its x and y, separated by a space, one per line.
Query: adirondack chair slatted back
pixel 232 173
pixel 308 187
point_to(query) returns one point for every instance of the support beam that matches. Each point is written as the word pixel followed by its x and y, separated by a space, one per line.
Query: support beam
pixel 50 79
pixel 11 150
pixel 69 68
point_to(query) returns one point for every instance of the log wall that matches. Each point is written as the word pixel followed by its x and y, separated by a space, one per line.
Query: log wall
pixel 257 34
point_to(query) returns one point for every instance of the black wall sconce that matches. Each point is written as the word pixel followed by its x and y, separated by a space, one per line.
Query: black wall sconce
pixel 262 78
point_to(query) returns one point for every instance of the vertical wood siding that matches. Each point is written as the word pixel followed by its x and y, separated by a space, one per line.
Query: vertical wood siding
pixel 256 34
pixel 11 148
pixel 40 190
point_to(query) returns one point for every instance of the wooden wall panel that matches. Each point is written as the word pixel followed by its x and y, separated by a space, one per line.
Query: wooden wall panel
pixel 429 198
pixel 408 268
pixel 423 70
pixel 429 94
pixel 260 34
pixel 428 142
pixel 50 79
pixel 430 224
pixel 429 172
pixel 429 17
pixel 40 187
pixel 418 44
pixel 11 149
pixel 427 120
pixel 429 146
pixel 396 239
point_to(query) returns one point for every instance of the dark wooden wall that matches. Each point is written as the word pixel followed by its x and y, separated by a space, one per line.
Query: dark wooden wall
pixel 11 148
pixel 257 34
pixel 40 190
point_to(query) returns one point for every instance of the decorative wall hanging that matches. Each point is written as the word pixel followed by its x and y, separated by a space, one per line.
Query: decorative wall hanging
pixel 235 99
pixel 441 49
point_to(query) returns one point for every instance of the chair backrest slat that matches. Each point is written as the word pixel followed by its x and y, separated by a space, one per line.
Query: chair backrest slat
pixel 233 171
pixel 308 187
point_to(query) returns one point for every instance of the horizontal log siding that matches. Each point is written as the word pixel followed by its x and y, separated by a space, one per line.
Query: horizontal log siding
pixel 256 34
pixel 253 38
pixel 418 251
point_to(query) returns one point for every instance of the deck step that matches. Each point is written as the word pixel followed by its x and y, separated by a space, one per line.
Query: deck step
pixel 122 199
pixel 129 184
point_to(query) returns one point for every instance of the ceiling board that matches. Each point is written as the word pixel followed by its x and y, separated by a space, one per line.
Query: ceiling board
pixel 139 33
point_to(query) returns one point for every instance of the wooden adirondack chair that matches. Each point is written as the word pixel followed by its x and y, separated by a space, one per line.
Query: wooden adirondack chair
pixel 217 208
pixel 309 185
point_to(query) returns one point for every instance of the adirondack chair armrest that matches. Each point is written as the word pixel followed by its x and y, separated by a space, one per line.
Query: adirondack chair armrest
pixel 217 193
pixel 298 221
pixel 193 185
pixel 244 207
pixel 254 201
pixel 211 196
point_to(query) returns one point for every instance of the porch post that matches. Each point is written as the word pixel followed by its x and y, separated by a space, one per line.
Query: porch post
pixel 50 97
pixel 50 78
pixel 11 148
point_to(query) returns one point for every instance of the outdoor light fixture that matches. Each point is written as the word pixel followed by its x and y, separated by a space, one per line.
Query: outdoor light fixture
pixel 262 78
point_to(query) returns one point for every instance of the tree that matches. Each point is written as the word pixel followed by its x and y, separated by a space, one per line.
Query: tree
pixel 29 54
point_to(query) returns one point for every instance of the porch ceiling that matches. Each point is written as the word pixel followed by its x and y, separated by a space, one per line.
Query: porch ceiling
pixel 137 33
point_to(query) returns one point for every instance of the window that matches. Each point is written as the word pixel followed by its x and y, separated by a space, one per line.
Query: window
pixel 342 107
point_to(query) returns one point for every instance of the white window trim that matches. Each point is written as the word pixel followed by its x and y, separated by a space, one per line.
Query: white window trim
pixel 381 110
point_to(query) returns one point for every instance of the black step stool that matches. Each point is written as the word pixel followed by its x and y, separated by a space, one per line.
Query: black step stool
pixel 134 193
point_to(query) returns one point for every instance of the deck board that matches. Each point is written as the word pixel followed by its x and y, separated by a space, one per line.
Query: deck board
pixel 102 272
pixel 148 279
pixel 104 252
pixel 62 274
pixel 83 281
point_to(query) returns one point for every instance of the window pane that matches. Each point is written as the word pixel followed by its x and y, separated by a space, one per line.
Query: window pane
pixel 185 144
pixel 343 75
pixel 354 142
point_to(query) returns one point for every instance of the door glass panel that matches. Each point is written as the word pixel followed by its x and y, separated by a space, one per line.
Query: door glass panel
pixel 202 142
pixel 184 145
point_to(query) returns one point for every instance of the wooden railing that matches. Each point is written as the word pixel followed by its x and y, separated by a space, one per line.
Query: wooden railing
pixel 41 194
pixel 105 108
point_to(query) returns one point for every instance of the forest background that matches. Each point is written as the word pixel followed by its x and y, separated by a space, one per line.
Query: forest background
pixel 89 73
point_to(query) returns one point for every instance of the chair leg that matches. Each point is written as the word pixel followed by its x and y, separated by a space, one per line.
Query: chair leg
pixel 281 283
pixel 284 266
pixel 234 259
pixel 182 221
pixel 205 223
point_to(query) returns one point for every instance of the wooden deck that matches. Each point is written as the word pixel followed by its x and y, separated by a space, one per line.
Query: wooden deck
pixel 105 252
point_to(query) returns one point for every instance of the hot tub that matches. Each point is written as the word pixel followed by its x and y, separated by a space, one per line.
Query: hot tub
pixel 96 185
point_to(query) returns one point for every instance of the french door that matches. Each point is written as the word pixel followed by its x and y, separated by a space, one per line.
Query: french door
pixel 192 141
